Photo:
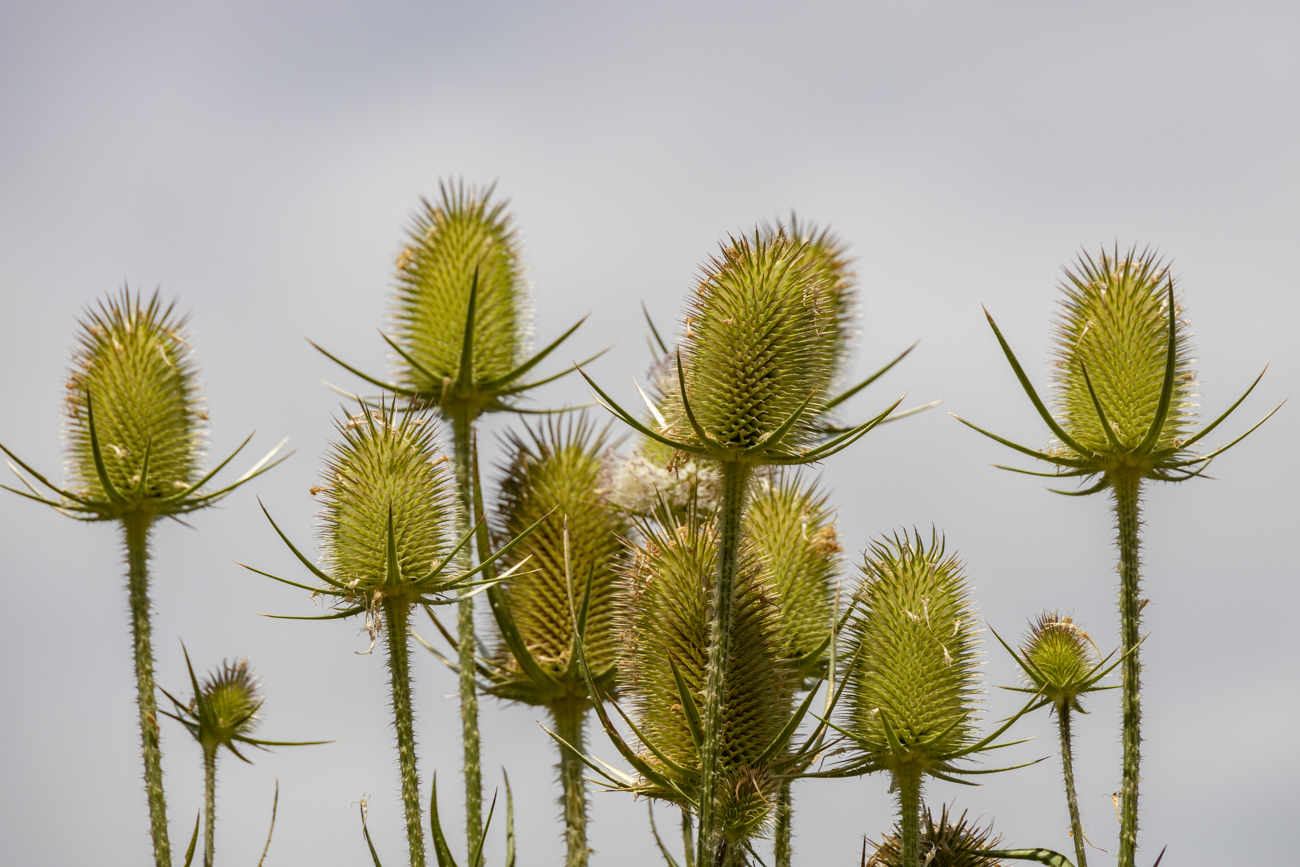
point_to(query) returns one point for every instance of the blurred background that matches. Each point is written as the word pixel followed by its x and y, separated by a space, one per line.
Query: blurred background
pixel 258 162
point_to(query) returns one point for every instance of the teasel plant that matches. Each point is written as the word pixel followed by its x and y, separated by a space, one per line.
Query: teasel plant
pixel 461 323
pixel 912 686
pixel 1059 661
pixel 135 430
pixel 1123 410
pixel 752 370
pixel 386 549
pixel 225 711
pixel 947 842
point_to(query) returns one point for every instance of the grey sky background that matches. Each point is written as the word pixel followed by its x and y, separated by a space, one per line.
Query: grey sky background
pixel 258 161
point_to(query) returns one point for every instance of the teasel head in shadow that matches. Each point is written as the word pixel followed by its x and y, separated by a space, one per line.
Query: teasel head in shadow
pixel 135 430
pixel 947 842
pixel 1124 402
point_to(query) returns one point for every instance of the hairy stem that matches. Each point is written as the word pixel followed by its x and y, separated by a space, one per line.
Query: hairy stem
pixel 1067 765
pixel 781 835
pixel 1127 491
pixel 462 447
pixel 397 628
pixel 570 716
pixel 908 781
pixel 136 528
pixel 209 804
pixel 735 477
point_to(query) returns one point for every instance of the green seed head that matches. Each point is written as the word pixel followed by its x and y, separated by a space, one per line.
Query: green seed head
pixel 231 698
pixel 792 533
pixel 1063 658
pixel 385 463
pixel 912 690
pixel 755 351
pixel 831 267
pixel 463 233
pixel 559 470
pixel 943 844
pixel 666 617
pixel 136 370
pixel 1114 323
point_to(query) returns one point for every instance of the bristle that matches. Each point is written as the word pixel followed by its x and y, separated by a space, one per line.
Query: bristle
pixel 945 843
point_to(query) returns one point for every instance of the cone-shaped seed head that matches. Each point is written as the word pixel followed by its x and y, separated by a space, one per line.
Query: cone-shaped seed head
pixel 1114 319
pixel 384 462
pixel 231 698
pixel 945 843
pixel 139 373
pixel 791 531
pixel 1061 652
pixel 916 625
pixel 559 469
pixel 831 267
pixel 666 617
pixel 465 230
pixel 755 347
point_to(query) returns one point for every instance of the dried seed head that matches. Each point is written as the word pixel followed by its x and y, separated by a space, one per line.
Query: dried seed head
pixel 666 615
pixel 449 241
pixel 916 670
pixel 1063 657
pixel 138 373
pixel 1114 321
pixel 792 533
pixel 559 470
pixel 232 696
pixel 943 844
pixel 385 463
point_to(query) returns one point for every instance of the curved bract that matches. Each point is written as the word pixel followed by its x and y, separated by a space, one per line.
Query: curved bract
pixel 912 688
pixel 555 475
pixel 947 842
pixel 1059 660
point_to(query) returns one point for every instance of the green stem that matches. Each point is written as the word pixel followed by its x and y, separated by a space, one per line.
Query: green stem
pixel 136 527
pixel 462 448
pixel 688 837
pixel 735 477
pixel 397 629
pixel 1127 489
pixel 1067 764
pixel 570 715
pixel 209 804
pixel 784 813
pixel 908 781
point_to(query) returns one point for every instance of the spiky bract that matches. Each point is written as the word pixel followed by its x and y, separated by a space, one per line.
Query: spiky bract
pixel 386 467
pixel 135 368
pixel 1063 658
pixel 1114 324
pixel 754 352
pixel 462 241
pixel 232 696
pixel 666 615
pixel 945 843
pixel 912 688
pixel 791 531
pixel 558 470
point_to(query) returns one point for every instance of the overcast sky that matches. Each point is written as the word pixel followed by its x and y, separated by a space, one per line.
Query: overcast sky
pixel 257 161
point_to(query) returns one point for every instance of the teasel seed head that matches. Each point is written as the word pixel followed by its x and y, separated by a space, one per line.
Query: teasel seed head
pixel 666 614
pixel 1062 661
pixel 385 471
pixel 945 843
pixel 463 242
pixel 555 474
pixel 791 530
pixel 232 696
pixel 911 659
pixel 134 372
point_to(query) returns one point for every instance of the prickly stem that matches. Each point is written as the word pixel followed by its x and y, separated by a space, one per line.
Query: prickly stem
pixel 1127 492
pixel 781 835
pixel 908 780
pixel 396 616
pixel 1067 766
pixel 735 479
pixel 462 443
pixel 570 715
pixel 209 804
pixel 136 528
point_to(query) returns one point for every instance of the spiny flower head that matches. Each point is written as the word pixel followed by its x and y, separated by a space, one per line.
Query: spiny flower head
pixel 1062 660
pixel 231 698
pixel 384 478
pixel 945 843
pixel 133 370
pixel 666 628
pixel 792 533
pixel 463 242
pixel 555 475
pixel 911 658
